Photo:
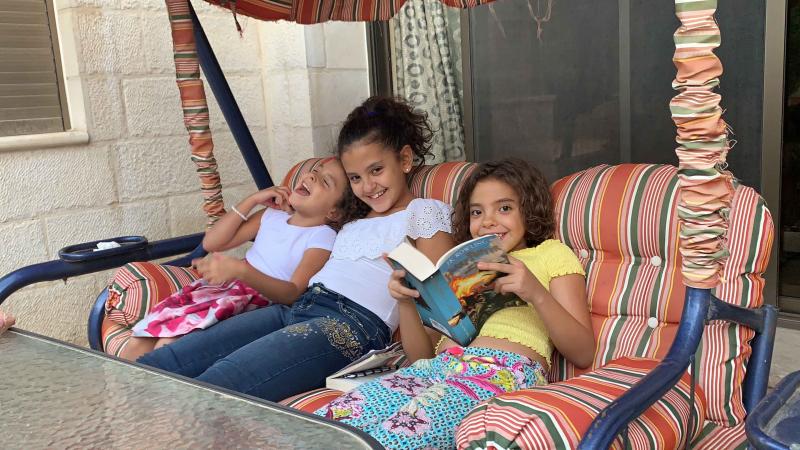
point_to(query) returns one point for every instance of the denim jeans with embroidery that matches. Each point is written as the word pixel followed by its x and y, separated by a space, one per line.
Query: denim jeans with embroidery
pixel 277 351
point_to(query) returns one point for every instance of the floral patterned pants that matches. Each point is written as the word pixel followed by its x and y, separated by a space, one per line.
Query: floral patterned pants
pixel 420 406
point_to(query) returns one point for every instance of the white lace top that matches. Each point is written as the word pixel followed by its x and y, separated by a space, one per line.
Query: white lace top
pixel 356 268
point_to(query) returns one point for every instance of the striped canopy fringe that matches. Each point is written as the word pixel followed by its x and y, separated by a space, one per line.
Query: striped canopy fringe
pixel 195 108
pixel 317 11
pixel 706 187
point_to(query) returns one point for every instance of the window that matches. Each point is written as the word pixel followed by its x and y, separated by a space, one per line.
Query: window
pixel 570 85
pixel 32 99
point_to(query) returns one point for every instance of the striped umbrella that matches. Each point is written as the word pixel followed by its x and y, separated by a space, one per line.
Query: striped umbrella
pixel 702 135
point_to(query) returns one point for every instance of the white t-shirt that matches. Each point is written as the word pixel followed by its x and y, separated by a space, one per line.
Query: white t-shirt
pixel 279 245
pixel 356 268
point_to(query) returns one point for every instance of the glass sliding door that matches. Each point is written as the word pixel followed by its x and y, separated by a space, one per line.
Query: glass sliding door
pixel 569 85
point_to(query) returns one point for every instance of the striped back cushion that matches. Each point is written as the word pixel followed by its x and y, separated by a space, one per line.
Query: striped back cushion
pixel 137 287
pixel 622 223
pixel 440 181
pixel 300 168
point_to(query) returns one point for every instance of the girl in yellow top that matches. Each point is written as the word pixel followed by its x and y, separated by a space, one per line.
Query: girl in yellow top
pixel 421 406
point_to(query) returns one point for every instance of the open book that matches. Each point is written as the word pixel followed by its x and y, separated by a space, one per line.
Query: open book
pixel 372 365
pixel 455 297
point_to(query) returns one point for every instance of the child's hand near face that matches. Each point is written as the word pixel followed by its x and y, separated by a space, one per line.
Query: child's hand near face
pixel 217 268
pixel 274 197
pixel 518 280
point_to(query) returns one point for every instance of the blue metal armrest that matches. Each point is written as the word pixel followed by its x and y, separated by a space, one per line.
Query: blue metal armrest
pixel 700 306
pixel 61 269
pixel 776 436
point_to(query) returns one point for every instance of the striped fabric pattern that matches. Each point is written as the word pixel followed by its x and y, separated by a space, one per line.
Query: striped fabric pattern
pixel 725 348
pixel 620 220
pixel 621 223
pixel 312 400
pixel 440 181
pixel 195 108
pixel 714 436
pixel 115 336
pixel 557 415
pixel 137 287
pixel 291 177
pixel 706 188
pixel 316 11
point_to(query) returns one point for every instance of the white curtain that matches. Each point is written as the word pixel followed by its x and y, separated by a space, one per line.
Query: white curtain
pixel 426 50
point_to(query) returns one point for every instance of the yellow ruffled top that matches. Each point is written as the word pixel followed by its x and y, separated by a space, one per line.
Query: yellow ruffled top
pixel 522 324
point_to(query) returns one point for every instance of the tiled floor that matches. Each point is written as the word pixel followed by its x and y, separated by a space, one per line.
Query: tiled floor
pixel 786 358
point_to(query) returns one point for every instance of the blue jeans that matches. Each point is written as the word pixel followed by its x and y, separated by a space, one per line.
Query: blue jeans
pixel 277 351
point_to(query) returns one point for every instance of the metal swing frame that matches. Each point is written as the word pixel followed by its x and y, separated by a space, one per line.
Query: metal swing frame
pixel 700 305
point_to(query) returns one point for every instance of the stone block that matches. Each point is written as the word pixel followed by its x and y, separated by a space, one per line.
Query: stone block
pixel 334 93
pixel 236 54
pixel 147 218
pixel 110 41
pixel 186 215
pixel 232 167
pixel 153 107
pixel 154 168
pixel 325 140
pixel 144 4
pixel 23 244
pixel 288 99
pixel 57 309
pixel 36 182
pixel 288 146
pixel 346 45
pixel 65 4
pixel 106 112
pixel 315 46
pixel 157 42
pixel 249 95
pixel 283 46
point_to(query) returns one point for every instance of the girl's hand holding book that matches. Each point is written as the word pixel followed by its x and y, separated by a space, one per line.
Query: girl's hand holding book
pixel 398 290
pixel 518 280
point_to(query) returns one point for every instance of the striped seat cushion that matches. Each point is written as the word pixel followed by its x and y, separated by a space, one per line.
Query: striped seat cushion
pixel 714 436
pixel 137 287
pixel 134 289
pixel 557 416
pixel 622 223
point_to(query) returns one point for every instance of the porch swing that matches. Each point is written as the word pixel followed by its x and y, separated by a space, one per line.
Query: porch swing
pixel 635 227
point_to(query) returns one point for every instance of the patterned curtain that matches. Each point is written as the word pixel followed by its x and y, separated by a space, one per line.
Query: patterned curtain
pixel 426 49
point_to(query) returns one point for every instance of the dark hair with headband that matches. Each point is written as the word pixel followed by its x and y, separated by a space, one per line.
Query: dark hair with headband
pixel 390 121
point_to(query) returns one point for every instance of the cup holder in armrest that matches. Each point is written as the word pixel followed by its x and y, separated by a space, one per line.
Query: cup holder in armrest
pixel 88 251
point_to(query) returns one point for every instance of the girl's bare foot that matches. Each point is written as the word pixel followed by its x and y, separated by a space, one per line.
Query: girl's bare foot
pixel 6 321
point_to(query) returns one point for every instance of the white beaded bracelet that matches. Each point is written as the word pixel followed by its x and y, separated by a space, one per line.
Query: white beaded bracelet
pixel 233 208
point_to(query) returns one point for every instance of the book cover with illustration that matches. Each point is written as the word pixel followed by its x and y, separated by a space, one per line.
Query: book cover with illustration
pixel 455 297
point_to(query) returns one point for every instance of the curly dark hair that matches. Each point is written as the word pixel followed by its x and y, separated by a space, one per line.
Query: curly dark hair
pixel 536 203
pixel 390 121
pixel 350 208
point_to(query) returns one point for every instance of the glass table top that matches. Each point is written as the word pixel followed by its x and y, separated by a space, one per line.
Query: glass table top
pixel 56 395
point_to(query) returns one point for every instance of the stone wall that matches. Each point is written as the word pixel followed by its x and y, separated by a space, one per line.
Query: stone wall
pixel 133 175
